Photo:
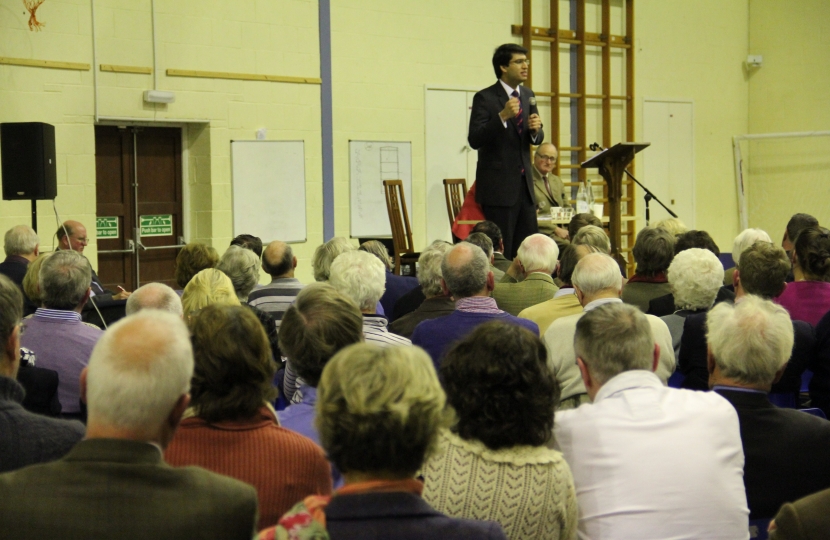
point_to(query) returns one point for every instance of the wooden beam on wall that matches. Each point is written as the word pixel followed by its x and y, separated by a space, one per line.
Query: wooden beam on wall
pixel 44 63
pixel 126 69
pixel 242 76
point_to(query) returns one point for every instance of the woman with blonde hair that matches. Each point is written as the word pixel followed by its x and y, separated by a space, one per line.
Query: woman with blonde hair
pixel 31 285
pixel 210 286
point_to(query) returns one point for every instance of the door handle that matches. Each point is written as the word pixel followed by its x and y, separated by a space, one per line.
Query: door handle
pixel 130 249
pixel 176 246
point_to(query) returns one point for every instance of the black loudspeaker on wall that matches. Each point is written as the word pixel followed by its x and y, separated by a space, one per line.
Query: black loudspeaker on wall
pixel 27 150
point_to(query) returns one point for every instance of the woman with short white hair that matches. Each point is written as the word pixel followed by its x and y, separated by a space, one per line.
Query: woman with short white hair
pixel 360 276
pixel 695 276
pixel 745 239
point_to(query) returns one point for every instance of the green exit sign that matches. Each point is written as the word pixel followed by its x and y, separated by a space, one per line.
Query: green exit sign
pixel 106 227
pixel 156 225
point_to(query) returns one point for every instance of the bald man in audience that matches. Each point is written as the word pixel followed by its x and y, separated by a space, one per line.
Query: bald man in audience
pixel 25 437
pixel 597 281
pixel 529 280
pixel 647 461
pixel 564 302
pixel 466 275
pixel 72 235
pixel 115 483
pixel 785 449
pixel 154 296
pixel 279 262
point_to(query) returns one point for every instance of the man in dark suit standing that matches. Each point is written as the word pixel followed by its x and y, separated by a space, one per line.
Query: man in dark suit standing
pixel 115 483
pixel 504 122
pixel 785 450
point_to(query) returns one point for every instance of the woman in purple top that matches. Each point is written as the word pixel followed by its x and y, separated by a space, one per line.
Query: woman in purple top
pixel 808 297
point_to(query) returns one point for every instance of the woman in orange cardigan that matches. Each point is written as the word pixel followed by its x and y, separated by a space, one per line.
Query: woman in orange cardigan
pixel 231 428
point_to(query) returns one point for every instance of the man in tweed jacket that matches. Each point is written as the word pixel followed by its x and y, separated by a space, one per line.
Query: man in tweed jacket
pixel 535 262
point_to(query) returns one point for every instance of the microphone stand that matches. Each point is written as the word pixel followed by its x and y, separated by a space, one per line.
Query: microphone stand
pixel 648 194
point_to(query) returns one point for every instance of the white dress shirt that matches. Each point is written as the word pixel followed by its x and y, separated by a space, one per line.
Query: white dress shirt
pixel 651 462
pixel 510 95
pixel 559 340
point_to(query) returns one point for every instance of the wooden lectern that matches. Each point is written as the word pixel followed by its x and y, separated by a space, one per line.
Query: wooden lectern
pixel 612 163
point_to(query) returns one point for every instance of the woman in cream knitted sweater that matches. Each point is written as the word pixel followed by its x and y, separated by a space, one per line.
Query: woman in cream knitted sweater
pixel 494 464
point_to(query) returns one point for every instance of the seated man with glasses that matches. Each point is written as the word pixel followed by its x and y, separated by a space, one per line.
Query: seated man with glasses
pixel 72 235
pixel 549 192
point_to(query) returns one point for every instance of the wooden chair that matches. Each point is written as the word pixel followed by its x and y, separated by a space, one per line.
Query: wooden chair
pixel 404 252
pixel 455 191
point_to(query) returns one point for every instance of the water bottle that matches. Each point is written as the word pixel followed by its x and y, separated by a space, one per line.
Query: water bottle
pixel 582 206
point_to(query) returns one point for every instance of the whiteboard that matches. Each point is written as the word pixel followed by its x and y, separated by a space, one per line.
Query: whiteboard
pixel 268 179
pixel 370 163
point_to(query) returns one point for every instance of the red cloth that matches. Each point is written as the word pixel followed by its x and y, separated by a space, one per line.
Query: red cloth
pixel 282 465
pixel 470 211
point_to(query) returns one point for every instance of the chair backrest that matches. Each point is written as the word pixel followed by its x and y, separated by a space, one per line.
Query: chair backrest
pixel 815 411
pixel 758 529
pixel 398 220
pixel 455 191
pixel 785 400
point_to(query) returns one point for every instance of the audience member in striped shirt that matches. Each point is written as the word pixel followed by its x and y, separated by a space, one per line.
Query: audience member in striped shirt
pixel 55 333
pixel 279 262
pixel 361 277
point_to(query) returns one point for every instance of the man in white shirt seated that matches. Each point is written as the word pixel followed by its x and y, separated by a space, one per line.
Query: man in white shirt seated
pixel 649 462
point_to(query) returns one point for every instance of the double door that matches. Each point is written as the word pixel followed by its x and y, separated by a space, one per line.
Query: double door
pixel 139 204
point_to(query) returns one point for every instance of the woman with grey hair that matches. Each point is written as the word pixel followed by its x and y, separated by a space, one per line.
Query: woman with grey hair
pixel 653 252
pixel 396 286
pixel 437 302
pixel 695 276
pixel 325 254
pixel 379 413
pixel 242 266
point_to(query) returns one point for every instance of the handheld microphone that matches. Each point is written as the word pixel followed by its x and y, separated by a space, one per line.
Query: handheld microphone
pixel 532 101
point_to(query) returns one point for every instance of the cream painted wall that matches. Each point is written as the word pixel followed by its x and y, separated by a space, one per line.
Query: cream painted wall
pixel 383 53
pixel 695 50
pixel 247 36
pixel 789 93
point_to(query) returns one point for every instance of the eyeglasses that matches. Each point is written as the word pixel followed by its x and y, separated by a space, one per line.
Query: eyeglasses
pixel 82 240
pixel 546 158
pixel 520 62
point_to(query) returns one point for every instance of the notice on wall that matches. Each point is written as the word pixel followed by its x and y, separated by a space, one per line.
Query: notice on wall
pixel 156 225
pixel 106 227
